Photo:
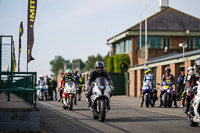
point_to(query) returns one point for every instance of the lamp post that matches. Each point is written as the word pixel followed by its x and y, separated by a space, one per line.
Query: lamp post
pixel 183 45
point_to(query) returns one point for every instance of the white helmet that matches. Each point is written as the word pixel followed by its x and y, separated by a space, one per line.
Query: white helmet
pixel 191 70
pixel 40 76
pixel 68 71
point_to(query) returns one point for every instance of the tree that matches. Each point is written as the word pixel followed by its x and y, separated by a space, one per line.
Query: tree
pixel 82 65
pixel 121 63
pixel 89 64
pixel 57 64
pixel 110 64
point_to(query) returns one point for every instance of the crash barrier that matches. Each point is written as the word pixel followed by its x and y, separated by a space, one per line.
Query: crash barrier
pixel 20 83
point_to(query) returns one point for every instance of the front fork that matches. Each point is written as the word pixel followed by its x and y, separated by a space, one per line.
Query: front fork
pixel 107 104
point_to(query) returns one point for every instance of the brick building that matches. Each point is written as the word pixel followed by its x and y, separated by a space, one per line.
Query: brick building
pixel 166 29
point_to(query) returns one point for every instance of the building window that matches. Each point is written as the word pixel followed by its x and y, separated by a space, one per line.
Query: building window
pixel 117 48
pixel 121 47
pixel 154 42
pixel 198 42
pixel 191 43
pixel 138 41
pixel 128 46
pixel 165 42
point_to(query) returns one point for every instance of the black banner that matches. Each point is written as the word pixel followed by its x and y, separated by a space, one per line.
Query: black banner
pixel 32 6
pixel 21 31
pixel 13 56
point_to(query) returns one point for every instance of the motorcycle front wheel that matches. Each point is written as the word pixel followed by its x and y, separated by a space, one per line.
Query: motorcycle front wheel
pixel 146 100
pixel 102 110
pixel 191 122
pixel 70 102
pixel 165 100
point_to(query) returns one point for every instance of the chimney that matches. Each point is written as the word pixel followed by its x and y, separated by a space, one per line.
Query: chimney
pixel 164 4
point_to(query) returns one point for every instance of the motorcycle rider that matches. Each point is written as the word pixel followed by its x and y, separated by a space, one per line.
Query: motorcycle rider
pixel 190 82
pixel 75 75
pixel 148 77
pixel 180 84
pixel 50 86
pixel 167 77
pixel 98 72
pixel 67 77
pixel 197 69
pixel 62 82
pixel 41 80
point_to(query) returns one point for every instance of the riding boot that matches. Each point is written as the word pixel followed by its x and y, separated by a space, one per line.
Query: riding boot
pixel 109 106
pixel 182 102
pixel 161 102
pixel 88 102
pixel 187 104
pixel 142 101
pixel 156 97
pixel 75 103
pixel 175 102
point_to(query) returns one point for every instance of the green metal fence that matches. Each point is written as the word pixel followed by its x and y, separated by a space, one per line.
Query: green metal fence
pixel 119 83
pixel 20 83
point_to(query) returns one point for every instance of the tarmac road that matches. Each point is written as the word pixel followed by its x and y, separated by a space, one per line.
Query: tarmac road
pixel 125 116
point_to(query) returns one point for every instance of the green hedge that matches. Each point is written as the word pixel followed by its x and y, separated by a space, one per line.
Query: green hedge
pixel 110 64
pixel 119 63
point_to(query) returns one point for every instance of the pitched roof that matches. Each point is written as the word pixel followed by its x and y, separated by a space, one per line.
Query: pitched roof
pixel 170 19
pixel 173 56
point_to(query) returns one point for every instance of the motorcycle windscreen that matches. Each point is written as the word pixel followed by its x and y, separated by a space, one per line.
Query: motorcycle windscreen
pixel 101 82
pixel 70 83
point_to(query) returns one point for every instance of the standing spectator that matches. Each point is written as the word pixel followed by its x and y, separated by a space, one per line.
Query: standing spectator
pixel 180 84
pixel 54 88
pixel 80 85
pixel 49 86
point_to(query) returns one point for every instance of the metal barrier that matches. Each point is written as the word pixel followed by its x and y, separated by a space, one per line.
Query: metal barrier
pixel 20 83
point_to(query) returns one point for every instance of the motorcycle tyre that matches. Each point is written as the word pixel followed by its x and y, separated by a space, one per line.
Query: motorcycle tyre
pixel 102 110
pixel 65 107
pixel 165 100
pixel 70 102
pixel 146 100
pixel 191 122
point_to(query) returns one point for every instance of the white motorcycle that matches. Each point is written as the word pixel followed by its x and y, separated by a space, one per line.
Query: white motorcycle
pixel 194 110
pixel 69 95
pixel 41 91
pixel 100 98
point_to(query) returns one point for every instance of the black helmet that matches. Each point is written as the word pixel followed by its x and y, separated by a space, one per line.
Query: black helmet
pixel 99 64
pixel 168 69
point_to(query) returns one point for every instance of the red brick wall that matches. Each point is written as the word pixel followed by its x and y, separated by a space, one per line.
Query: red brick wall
pixel 139 83
pixel 176 40
pixel 159 78
pixel 113 50
pixel 134 51
pixel 175 70
pixel 160 52
pixel 188 64
pixel 141 60
pixel 133 83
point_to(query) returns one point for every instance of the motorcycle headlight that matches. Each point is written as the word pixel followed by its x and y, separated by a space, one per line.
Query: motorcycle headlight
pixel 107 94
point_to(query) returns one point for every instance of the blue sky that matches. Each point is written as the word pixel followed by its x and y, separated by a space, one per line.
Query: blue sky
pixel 76 28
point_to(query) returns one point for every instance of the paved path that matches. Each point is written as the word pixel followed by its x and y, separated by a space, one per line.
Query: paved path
pixel 14 103
pixel 125 116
